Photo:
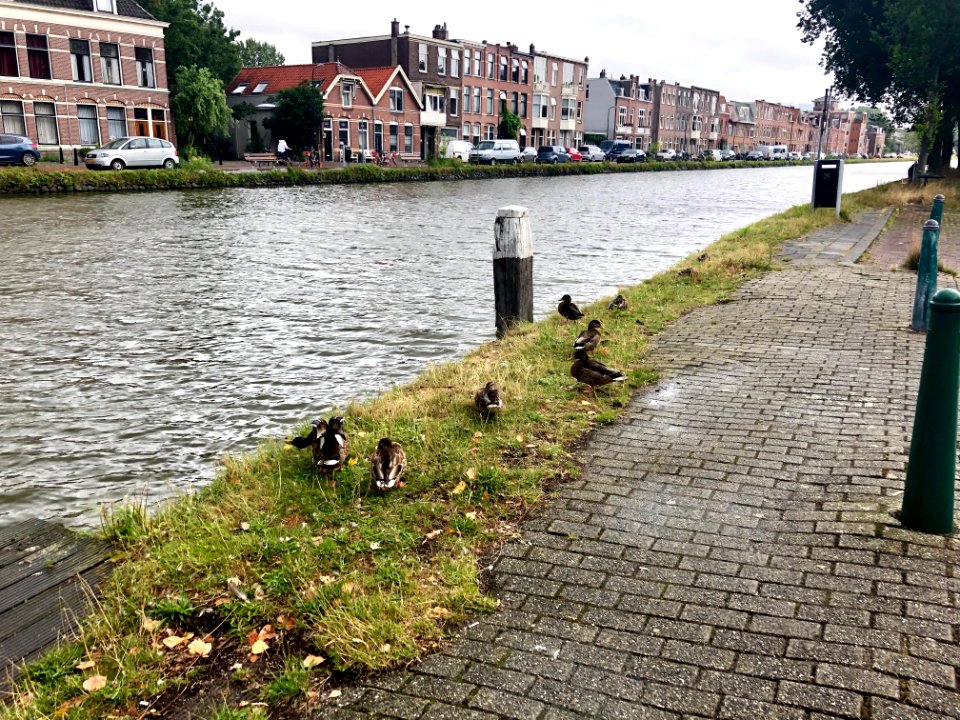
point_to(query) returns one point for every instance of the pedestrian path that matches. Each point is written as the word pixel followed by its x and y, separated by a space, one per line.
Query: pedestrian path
pixel 730 550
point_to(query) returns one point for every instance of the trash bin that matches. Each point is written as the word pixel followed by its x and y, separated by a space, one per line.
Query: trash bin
pixel 827 183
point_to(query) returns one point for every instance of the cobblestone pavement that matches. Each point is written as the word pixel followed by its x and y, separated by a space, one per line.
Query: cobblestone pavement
pixel 729 551
pixel 892 247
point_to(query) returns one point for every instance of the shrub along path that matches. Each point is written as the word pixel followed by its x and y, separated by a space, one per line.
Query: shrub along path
pixel 729 551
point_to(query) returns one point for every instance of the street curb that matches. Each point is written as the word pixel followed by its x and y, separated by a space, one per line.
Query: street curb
pixel 855 253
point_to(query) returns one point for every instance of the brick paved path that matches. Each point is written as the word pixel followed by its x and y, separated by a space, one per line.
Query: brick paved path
pixel 729 551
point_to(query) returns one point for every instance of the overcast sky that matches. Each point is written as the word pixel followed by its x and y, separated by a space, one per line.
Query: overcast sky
pixel 746 49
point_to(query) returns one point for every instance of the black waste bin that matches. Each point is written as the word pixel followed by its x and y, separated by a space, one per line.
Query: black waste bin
pixel 827 183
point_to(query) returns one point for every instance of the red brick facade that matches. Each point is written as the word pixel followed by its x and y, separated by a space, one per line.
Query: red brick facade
pixel 41 97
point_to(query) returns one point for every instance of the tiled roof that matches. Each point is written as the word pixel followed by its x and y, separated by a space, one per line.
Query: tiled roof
pixel 284 77
pixel 376 78
pixel 125 8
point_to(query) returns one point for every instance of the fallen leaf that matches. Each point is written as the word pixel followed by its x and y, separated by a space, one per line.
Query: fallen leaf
pixel 352 461
pixel 171 641
pixel 253 658
pixel 245 526
pixel 327 579
pixel 149 625
pixel 237 666
pixel 520 438
pixel 438 613
pixel 199 647
pixel 267 633
pixel 286 622
pixel 385 648
pixel 471 515
pixel 374 546
pixel 253 636
pixel 312 661
pixel 478 434
pixel 472 474
pixel 433 533
pixel 259 647
pixel 258 593
pixel 94 683
pixel 348 587
pixel 584 402
pixel 85 665
pixel 459 488
pixel 335 694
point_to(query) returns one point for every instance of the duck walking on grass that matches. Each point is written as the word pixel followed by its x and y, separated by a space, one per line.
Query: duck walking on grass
pixel 388 464
pixel 590 338
pixel 568 309
pixel 328 442
pixel 489 400
pixel 593 373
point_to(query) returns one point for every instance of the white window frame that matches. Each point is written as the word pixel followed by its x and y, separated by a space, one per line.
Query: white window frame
pixel 89 140
pixel 115 65
pixel 80 61
pixel 113 130
pixel 46 119
pixel 441 61
pixel 454 63
pixel 396 99
pixel 423 51
pixel 347 88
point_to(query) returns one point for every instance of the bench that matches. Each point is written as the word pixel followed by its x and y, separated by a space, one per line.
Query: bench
pixel 261 159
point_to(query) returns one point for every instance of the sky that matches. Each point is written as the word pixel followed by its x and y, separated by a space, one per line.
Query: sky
pixel 745 49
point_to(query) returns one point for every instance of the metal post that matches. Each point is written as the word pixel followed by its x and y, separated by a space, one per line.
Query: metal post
pixel 512 268
pixel 928 493
pixel 936 212
pixel 926 276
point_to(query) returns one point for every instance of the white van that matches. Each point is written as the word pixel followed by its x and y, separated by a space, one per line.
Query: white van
pixel 773 152
pixel 459 149
pixel 494 151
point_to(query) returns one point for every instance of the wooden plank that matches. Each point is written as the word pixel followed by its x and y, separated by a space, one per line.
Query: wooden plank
pixel 87 553
pixel 9 533
pixel 18 548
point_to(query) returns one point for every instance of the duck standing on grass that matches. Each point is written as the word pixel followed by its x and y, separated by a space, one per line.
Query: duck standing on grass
pixel 568 309
pixel 388 464
pixel 489 400
pixel 590 338
pixel 312 439
pixel 328 442
pixel 618 303
pixel 593 373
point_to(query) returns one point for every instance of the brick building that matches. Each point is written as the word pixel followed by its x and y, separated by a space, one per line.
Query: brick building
pixel 492 75
pixel 77 73
pixel 620 109
pixel 774 123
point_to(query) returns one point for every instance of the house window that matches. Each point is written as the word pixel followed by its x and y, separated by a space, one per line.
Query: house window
pixel 476 101
pixel 394 137
pixel 466 98
pixel 259 88
pixel 453 101
pixel 641 118
pixel 422 64
pixel 396 100
pixel 477 64
pixel 525 74
pixel 539 69
pixel 490 68
pixel 515 72
pixel 539 106
pixel 238 90
pixel 441 61
pixel 89 125
pixel 489 132
pixel 38 57
pixel 553 108
pixel 454 63
pixel 569 107
pixel 408 138
pixel 344 133
pixel 568 73
pixel 346 93
pixel 110 63
pixel 553 74
pixel 579 110
pixel 105 6
pixel 80 61
pixel 515 103
pixel 503 67
pixel 621 116
pixel 580 80
pixel 46 116
pixel 476 133
pixel 523 105
pixel 12 112
pixel 467 67
pixel 363 136
pixel 116 122
pixel 378 136
pixel 489 102
pixel 145 77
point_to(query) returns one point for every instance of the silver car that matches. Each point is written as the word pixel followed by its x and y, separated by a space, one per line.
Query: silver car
pixel 591 153
pixel 133 152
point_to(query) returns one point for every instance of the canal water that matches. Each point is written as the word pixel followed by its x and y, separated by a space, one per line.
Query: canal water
pixel 144 336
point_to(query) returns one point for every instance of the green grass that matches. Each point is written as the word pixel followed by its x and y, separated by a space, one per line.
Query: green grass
pixel 368 581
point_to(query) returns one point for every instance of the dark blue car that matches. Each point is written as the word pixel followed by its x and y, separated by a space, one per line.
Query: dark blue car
pixel 18 149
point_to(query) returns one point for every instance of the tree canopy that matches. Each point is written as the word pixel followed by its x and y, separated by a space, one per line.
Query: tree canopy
pixel 904 54
pixel 258 54
pixel 297 116
pixel 510 123
pixel 200 106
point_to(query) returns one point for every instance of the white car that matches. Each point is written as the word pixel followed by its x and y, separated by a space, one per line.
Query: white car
pixel 591 153
pixel 794 156
pixel 133 152
pixel 459 149
pixel 667 154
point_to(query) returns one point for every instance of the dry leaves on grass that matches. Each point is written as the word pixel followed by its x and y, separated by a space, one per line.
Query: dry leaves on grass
pixel 85 665
pixel 200 647
pixel 94 683
pixel 312 661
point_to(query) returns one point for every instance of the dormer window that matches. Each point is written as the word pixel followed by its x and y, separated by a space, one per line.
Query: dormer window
pixel 346 90
pixel 238 90
pixel 105 6
pixel 259 88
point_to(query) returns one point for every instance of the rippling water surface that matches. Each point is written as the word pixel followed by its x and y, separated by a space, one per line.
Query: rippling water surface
pixel 145 335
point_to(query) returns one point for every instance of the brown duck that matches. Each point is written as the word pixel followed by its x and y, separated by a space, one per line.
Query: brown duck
pixel 388 464
pixel 312 439
pixel 593 373
pixel 568 309
pixel 489 400
pixel 590 338
pixel 618 303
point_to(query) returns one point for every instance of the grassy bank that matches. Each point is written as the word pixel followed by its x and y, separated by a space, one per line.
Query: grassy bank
pixel 333 578
pixel 35 180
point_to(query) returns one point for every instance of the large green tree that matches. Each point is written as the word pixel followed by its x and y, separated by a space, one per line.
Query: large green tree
pixel 904 54
pixel 297 116
pixel 259 54
pixel 199 106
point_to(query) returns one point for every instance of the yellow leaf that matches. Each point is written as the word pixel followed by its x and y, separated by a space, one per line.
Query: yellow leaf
pixel 352 461
pixel 86 665
pixel 472 474
pixel 459 488
pixel 327 579
pixel 584 402
pixel 312 661
pixel 520 438
pixel 471 515
pixel 259 647
pixel 172 641
pixel 245 526
pixel 94 683
pixel 199 647
pixel 149 625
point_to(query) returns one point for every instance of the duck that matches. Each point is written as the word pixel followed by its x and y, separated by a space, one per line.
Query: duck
pixel 311 439
pixel 593 373
pixel 618 303
pixel 334 447
pixel 489 400
pixel 590 338
pixel 568 309
pixel 387 464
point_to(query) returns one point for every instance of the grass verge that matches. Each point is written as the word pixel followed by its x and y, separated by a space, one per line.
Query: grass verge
pixel 271 583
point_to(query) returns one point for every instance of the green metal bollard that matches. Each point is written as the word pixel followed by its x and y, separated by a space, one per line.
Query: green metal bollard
pixel 928 493
pixel 926 276
pixel 936 211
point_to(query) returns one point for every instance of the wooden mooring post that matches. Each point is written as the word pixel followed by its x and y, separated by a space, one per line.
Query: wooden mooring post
pixel 512 267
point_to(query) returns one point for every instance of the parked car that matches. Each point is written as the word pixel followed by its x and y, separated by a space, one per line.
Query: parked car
pixel 614 152
pixel 666 154
pixel 728 155
pixel 754 155
pixel 793 155
pixel 528 154
pixel 18 149
pixel 591 153
pixel 574 154
pixel 552 154
pixel 710 154
pixel 459 149
pixel 136 151
pixel 605 146
pixel 632 155
pixel 491 152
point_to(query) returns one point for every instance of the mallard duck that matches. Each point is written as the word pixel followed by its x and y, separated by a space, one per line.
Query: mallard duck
pixel 618 303
pixel 489 400
pixel 593 373
pixel 590 338
pixel 388 464
pixel 333 447
pixel 568 309
pixel 312 439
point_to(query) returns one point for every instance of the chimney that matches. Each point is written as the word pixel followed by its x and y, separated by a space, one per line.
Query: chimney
pixel 394 28
pixel 533 50
pixel 603 73
pixel 406 29
pixel 446 34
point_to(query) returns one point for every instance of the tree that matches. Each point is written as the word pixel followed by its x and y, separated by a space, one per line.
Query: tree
pixel 510 124
pixel 199 106
pixel 258 54
pixel 297 116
